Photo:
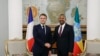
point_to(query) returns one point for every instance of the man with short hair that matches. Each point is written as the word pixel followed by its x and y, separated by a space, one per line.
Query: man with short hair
pixel 64 37
pixel 42 36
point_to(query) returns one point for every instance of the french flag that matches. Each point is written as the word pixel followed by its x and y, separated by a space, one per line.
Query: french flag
pixel 29 32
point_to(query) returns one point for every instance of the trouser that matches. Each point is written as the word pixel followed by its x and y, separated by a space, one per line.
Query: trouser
pixel 62 54
pixel 44 53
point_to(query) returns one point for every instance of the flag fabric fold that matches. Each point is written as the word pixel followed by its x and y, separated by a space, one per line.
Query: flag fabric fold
pixel 78 44
pixel 29 32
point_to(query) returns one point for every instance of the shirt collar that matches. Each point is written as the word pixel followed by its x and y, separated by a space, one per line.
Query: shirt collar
pixel 62 25
pixel 42 25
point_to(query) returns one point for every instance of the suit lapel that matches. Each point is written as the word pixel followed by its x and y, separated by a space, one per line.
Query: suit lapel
pixel 41 30
pixel 63 30
pixel 57 30
pixel 40 27
pixel 46 30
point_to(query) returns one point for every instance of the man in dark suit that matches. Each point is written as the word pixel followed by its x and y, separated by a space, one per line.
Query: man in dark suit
pixel 64 37
pixel 42 36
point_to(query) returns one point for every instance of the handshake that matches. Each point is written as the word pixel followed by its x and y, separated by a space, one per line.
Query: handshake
pixel 48 45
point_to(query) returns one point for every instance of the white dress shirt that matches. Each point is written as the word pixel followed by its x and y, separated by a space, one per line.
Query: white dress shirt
pixel 44 27
pixel 62 28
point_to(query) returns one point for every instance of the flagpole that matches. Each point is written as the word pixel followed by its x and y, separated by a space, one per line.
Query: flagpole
pixel 30 3
pixel 77 5
pixel 29 33
pixel 78 44
pixel 30 6
pixel 77 1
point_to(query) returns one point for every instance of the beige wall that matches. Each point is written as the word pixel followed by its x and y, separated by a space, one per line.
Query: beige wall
pixel 3 24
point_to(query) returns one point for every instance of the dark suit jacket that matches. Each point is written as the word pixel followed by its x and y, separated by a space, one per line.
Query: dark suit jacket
pixel 65 43
pixel 41 38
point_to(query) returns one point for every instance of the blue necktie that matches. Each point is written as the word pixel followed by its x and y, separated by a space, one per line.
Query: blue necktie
pixel 43 29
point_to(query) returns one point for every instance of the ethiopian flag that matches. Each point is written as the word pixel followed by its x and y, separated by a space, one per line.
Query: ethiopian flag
pixel 78 44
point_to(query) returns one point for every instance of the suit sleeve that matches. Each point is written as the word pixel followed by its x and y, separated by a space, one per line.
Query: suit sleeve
pixel 50 38
pixel 54 36
pixel 35 33
pixel 71 44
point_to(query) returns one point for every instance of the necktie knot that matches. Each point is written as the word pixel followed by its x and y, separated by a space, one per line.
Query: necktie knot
pixel 43 26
